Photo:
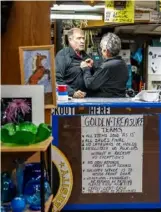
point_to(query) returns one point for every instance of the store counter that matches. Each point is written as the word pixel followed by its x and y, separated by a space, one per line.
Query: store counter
pixel 113 147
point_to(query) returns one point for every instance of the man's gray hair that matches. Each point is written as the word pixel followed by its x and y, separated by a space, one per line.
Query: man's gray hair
pixel 112 43
pixel 71 31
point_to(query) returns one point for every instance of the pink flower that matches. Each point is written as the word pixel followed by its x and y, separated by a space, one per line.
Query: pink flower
pixel 15 107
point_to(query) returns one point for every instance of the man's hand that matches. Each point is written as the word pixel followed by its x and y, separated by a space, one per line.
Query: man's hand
pixel 90 62
pixel 83 64
pixel 79 94
pixel 87 63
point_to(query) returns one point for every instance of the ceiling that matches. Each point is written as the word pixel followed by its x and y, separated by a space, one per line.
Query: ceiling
pixel 141 4
pixel 154 29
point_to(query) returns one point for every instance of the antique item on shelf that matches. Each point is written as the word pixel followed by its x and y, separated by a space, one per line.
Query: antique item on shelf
pixel 148 96
pixel 19 176
pixel 6 207
pixel 16 110
pixel 29 173
pixel 32 177
pixel 24 133
pixel 37 68
pixel 43 132
pixel 8 189
pixel 21 103
pixel 18 204
pixel 32 171
pixel 32 193
pixel 21 134
pixel 3 209
pixel 62 92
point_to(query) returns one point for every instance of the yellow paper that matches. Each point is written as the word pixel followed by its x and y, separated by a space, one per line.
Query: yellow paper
pixel 114 15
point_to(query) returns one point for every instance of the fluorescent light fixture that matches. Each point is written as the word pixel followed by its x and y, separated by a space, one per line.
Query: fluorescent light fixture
pixel 76 16
pixel 77 7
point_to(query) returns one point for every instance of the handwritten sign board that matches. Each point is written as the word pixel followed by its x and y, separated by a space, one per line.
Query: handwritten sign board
pixel 139 133
pixel 117 15
pixel 112 153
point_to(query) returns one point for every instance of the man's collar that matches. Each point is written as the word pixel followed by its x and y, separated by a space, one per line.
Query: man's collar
pixel 113 58
pixel 73 53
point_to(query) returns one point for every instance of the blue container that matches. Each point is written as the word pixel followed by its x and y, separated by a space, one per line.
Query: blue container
pixel 32 193
pixel 31 172
pixel 32 177
pixel 8 189
pixel 18 204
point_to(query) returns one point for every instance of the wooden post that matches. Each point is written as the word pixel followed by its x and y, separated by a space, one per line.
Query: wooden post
pixel 28 24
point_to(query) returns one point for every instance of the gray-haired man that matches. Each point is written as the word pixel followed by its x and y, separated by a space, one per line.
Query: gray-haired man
pixel 110 79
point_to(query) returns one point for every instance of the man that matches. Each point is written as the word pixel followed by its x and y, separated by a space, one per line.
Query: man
pixel 68 60
pixel 110 79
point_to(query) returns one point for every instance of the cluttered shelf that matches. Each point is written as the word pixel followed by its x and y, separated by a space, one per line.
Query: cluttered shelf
pixel 47 205
pixel 39 147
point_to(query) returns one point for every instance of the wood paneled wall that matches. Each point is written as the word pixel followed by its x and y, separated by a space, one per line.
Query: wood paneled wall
pixel 28 24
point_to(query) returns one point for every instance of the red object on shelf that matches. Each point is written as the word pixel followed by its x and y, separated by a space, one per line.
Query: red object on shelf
pixel 62 88
pixel 141 85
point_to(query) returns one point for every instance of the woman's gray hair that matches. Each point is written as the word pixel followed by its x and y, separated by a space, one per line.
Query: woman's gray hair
pixel 112 43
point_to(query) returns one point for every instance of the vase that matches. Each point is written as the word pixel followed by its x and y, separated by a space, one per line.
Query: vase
pixel 3 209
pixel 19 176
pixel 32 193
pixel 31 172
pixel 18 204
pixel 32 178
pixel 8 189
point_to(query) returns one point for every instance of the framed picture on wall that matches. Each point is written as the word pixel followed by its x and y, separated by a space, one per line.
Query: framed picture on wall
pixel 37 68
pixel 21 103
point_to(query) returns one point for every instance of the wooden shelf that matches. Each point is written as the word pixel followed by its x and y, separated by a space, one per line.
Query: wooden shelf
pixel 39 147
pixel 47 205
pixel 50 106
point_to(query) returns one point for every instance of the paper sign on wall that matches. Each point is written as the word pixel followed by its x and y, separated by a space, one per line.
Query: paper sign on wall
pixel 112 153
pixel 155 17
pixel 125 54
pixel 115 15
pixel 142 16
pixel 154 60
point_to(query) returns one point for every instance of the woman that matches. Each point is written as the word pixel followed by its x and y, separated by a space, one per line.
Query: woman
pixel 110 79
